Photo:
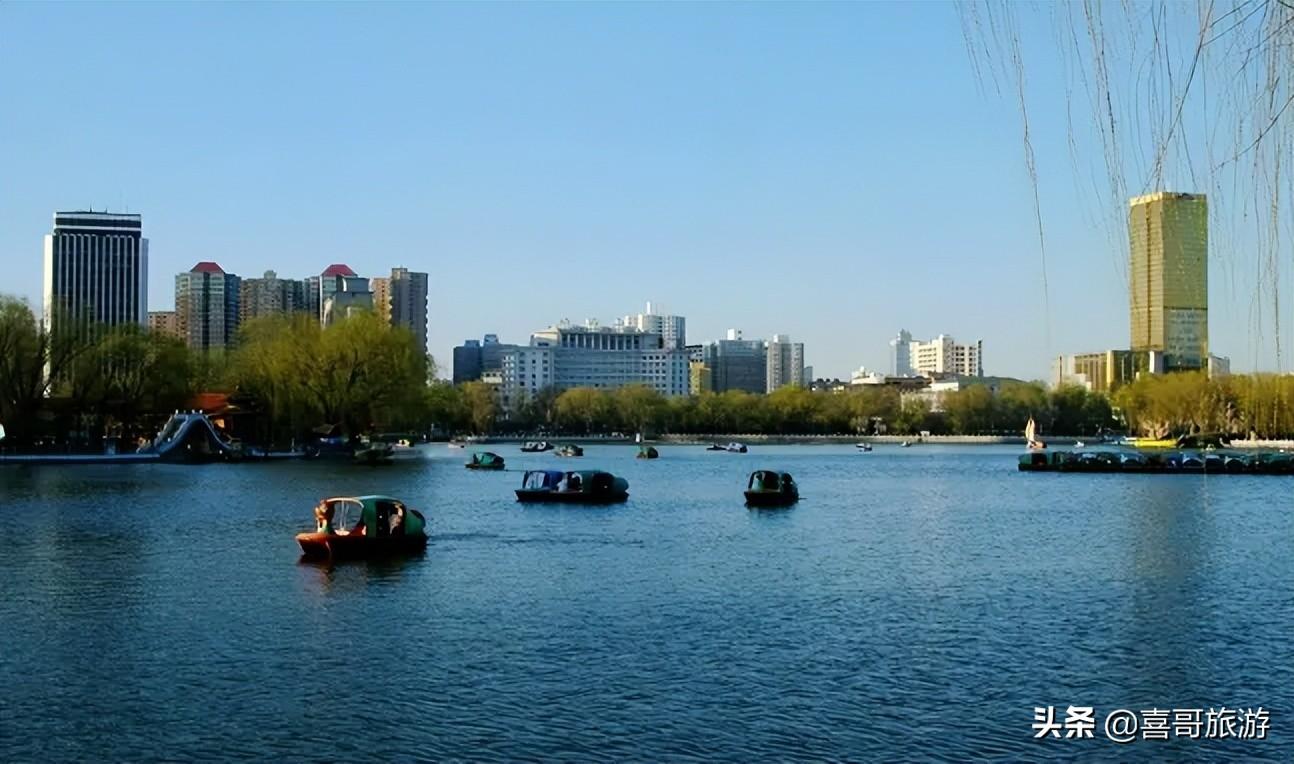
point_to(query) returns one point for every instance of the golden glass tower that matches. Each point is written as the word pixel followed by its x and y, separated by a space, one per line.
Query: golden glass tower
pixel 1169 277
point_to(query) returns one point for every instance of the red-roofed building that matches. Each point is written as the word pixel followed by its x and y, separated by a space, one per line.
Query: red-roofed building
pixel 338 269
pixel 206 306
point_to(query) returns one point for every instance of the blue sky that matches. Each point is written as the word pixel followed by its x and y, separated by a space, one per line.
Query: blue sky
pixel 832 172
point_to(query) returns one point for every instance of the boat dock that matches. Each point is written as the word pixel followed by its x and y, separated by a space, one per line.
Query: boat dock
pixel 1221 462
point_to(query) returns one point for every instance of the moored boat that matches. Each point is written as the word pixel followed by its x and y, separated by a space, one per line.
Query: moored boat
pixel 530 447
pixel 403 450
pixel 735 448
pixel 373 453
pixel 570 449
pixel 864 447
pixel 582 487
pixel 357 527
pixel 770 488
pixel 647 452
pixel 485 460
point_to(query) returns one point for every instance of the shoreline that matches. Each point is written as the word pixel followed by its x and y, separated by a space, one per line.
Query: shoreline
pixel 754 439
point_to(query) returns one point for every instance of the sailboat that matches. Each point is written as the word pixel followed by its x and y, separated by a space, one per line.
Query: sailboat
pixel 1031 435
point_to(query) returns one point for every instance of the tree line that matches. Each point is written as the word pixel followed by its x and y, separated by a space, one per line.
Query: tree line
pixel 865 410
pixel 361 375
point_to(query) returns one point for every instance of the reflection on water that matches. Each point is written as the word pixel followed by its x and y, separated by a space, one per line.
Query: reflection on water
pixel 914 600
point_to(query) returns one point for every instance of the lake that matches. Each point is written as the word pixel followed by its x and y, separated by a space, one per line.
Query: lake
pixel 916 603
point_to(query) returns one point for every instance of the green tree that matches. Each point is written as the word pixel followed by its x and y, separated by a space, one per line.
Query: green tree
pixel 479 401
pixel 639 407
pixel 445 407
pixel 359 373
pixel 585 407
pixel 32 359
pixel 130 373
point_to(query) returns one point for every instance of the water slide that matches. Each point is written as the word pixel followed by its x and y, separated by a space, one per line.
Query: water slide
pixel 185 433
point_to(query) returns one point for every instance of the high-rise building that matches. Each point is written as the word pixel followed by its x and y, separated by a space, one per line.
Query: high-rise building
pixel 164 322
pixel 474 359
pixel 206 306
pixel 332 280
pixel 901 354
pixel 784 363
pixel 269 296
pixel 672 328
pixel 736 364
pixel 1169 277
pixel 381 287
pixel 96 271
pixel 941 355
pixel 467 362
pixel 698 377
pixel 406 303
pixel 341 293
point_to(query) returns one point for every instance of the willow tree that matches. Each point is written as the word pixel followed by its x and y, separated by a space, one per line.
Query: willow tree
pixel 359 373
pixel 32 360
pixel 586 407
pixel 479 403
pixel 1197 95
pixel 130 374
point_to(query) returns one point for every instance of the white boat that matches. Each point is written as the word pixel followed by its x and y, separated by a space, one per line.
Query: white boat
pixel 864 447
pixel 905 444
pixel 1079 444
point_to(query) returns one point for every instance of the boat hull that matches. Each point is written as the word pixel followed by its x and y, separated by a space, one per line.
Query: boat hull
pixel 471 466
pixel 570 497
pixel 770 499
pixel 330 546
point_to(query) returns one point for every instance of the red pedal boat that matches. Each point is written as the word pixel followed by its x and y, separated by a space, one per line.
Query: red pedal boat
pixel 360 527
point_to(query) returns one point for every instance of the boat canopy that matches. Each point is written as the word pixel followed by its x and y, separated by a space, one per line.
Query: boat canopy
pixel 769 480
pixel 595 481
pixel 375 513
pixel 535 480
pixel 486 457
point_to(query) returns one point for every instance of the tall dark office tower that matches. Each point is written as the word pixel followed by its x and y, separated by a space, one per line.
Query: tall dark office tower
pixel 96 271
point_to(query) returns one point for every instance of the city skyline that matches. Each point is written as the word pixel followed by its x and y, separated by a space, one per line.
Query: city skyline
pixel 740 181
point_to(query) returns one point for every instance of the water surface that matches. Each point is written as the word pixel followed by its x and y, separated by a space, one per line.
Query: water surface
pixel 916 603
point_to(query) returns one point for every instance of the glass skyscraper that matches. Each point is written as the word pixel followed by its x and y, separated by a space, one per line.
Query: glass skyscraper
pixel 1169 277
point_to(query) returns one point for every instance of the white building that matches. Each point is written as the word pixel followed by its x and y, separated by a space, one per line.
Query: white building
pixel 941 355
pixel 861 376
pixel 605 357
pixel 96 270
pixel 785 362
pixel 673 329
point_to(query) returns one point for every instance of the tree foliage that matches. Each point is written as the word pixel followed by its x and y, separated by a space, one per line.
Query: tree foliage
pixel 359 373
